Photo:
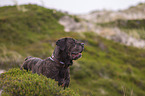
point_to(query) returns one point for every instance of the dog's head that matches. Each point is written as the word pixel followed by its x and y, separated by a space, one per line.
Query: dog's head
pixel 69 49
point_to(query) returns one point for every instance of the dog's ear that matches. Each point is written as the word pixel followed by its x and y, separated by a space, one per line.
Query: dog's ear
pixel 61 43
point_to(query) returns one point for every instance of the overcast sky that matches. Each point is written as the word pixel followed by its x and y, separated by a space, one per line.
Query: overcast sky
pixel 78 6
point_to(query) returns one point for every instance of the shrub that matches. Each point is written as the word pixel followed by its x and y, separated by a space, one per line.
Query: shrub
pixel 18 82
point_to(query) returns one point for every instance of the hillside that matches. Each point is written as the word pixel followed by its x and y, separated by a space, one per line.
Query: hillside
pixel 124 26
pixel 134 12
pixel 135 28
pixel 107 68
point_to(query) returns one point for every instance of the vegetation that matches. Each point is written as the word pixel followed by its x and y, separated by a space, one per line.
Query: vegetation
pixel 135 28
pixel 135 24
pixel 136 9
pixel 106 68
pixel 18 82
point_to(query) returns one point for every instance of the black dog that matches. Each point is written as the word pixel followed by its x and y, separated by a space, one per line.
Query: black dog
pixel 57 66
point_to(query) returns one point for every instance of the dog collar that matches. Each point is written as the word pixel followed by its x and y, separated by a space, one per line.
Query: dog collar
pixel 55 60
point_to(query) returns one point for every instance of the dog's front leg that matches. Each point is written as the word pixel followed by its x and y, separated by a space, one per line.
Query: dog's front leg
pixel 64 77
pixel 67 78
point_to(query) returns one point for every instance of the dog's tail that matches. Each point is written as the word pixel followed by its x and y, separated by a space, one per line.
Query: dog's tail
pixel 24 65
pixel 28 58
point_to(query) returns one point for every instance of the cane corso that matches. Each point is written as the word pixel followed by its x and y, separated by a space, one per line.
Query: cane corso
pixel 57 66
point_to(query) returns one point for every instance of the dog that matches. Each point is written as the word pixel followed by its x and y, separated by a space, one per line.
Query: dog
pixel 57 66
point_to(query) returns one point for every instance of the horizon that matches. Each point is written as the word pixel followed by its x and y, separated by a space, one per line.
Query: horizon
pixel 86 6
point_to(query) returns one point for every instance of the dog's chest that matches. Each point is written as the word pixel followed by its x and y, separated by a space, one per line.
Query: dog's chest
pixel 53 70
pixel 62 72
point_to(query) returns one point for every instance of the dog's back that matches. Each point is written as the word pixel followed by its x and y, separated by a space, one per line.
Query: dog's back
pixel 30 62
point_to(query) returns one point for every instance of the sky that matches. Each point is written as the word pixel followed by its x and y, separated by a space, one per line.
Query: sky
pixel 78 6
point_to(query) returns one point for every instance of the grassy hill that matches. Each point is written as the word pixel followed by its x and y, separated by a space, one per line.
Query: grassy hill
pixel 135 28
pixel 106 68
pixel 139 8
pixel 104 16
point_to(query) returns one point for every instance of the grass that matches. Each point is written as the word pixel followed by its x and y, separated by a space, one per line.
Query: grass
pixel 135 28
pixel 137 33
pixel 107 68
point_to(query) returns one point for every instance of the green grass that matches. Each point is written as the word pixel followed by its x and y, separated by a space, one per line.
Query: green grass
pixel 105 69
pixel 109 69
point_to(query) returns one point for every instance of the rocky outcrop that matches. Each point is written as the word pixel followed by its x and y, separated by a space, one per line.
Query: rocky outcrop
pixel 110 33
pixel 134 12
pixel 119 36
pixel 1 71
pixel 88 23
pixel 71 25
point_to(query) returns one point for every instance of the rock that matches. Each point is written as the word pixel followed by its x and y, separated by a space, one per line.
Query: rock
pixel 0 92
pixel 110 33
pixel 2 71
pixel 134 12
pixel 71 25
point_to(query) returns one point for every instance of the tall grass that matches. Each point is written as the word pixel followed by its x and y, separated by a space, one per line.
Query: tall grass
pixel 136 33
pixel 9 58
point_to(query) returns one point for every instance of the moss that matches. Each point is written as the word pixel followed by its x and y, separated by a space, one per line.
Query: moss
pixel 18 82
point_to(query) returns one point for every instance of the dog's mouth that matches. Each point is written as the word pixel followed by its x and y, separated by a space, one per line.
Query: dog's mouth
pixel 76 55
